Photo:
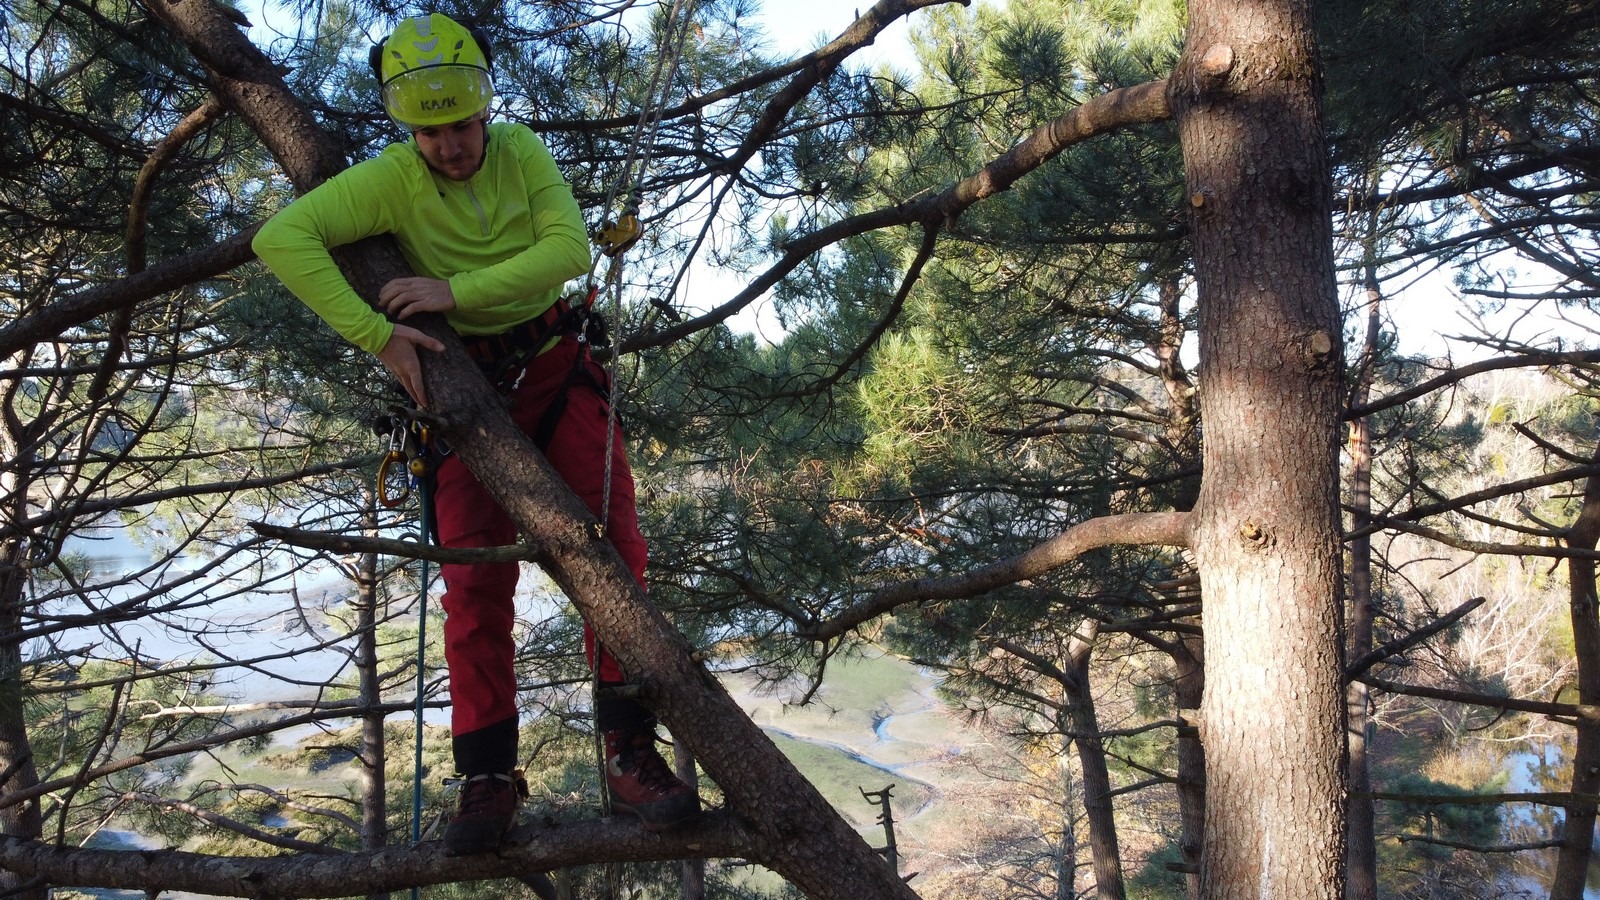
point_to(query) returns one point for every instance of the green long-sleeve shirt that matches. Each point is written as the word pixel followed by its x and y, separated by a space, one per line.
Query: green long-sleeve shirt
pixel 506 239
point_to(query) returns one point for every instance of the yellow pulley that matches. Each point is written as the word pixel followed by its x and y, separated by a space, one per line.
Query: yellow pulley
pixel 614 237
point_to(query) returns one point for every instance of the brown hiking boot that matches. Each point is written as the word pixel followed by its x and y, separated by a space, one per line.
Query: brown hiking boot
pixel 642 783
pixel 484 814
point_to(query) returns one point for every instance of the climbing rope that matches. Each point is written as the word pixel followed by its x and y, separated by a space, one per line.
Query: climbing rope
pixel 424 502
pixel 621 233
pixel 614 237
pixel 406 469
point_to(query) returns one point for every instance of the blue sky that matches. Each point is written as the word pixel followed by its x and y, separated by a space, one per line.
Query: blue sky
pixel 796 26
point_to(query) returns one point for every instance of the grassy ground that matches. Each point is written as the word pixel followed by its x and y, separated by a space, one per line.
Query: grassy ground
pixel 876 721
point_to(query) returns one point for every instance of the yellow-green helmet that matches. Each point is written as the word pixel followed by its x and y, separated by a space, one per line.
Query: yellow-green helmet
pixel 432 72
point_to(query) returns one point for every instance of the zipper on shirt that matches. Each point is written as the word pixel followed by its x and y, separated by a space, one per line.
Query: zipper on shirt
pixel 483 218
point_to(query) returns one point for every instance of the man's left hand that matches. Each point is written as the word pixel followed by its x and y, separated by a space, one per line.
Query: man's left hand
pixel 405 297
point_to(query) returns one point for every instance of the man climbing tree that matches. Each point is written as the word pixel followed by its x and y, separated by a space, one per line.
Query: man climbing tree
pixel 482 214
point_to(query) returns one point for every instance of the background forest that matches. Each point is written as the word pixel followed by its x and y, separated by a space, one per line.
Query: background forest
pixel 915 363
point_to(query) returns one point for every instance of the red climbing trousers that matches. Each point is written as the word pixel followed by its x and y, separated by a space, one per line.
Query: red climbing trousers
pixel 478 598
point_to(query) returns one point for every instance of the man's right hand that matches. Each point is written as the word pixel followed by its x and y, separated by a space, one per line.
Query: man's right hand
pixel 399 356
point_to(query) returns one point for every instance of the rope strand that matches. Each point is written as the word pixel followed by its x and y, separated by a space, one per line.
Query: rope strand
pixel 679 18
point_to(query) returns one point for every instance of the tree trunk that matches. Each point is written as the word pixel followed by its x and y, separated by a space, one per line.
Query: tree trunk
pixel 1067 852
pixel 1577 832
pixel 1362 866
pixel 1190 691
pixel 17 768
pixel 797 834
pixel 1084 726
pixel 374 784
pixel 692 872
pixel 1246 98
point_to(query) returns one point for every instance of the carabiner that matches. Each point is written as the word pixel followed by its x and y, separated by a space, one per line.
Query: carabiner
pixel 396 452
pixel 389 500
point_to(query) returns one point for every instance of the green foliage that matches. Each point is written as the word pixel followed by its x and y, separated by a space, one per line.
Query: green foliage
pixel 915 406
pixel 1154 881
pixel 1470 823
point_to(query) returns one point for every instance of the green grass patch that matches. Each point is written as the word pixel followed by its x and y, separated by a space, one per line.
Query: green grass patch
pixel 840 778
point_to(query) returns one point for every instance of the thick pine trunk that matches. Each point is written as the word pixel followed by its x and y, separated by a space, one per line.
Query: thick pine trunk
pixel 1246 97
pixel 1577 832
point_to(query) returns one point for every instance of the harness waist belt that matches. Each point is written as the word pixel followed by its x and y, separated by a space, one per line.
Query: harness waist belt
pixel 523 340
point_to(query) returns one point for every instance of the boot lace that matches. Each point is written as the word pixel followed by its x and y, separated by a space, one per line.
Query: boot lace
pixel 480 792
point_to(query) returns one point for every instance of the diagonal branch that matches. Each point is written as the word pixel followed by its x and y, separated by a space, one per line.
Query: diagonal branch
pixel 173 274
pixel 1400 644
pixel 795 831
pixel 1170 529
pixel 861 33
pixel 1107 113
pixel 1458 374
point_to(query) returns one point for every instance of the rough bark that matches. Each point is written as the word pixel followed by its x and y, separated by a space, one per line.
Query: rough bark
pixel 1577 831
pixel 795 831
pixel 1246 98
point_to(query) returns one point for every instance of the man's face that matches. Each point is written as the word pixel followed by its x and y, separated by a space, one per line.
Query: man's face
pixel 454 150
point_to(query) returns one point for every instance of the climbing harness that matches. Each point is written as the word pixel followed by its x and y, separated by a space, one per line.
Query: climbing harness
pixel 503 357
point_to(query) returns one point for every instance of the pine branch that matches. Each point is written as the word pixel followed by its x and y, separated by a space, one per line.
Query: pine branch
pixel 1133 529
pixel 340 543
pixel 1586 712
